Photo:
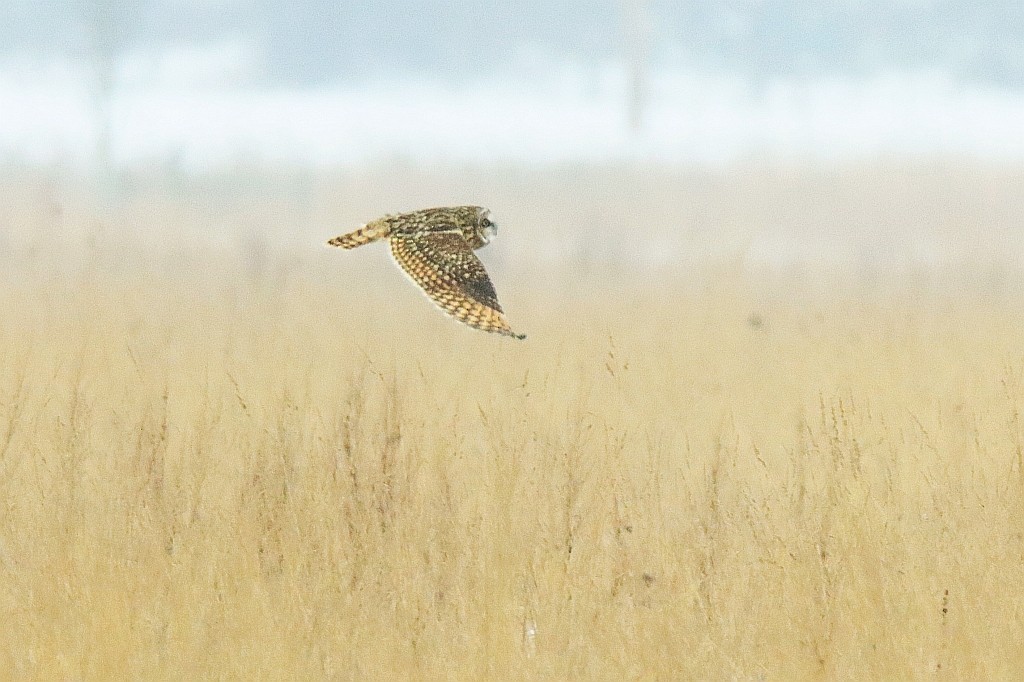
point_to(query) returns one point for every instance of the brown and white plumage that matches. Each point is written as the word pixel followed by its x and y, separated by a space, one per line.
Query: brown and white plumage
pixel 435 248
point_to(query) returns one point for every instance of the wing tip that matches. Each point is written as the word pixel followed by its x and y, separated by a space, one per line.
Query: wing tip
pixel 503 329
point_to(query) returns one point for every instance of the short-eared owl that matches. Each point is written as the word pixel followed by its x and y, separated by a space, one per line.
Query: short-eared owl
pixel 435 247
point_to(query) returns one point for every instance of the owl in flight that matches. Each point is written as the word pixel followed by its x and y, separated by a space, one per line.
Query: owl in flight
pixel 435 248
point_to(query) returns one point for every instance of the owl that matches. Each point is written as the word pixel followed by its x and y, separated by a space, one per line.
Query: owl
pixel 435 247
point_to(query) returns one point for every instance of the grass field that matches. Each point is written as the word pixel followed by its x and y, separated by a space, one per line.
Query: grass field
pixel 274 468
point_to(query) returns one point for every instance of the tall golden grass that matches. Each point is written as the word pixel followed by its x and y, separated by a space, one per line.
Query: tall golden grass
pixel 308 474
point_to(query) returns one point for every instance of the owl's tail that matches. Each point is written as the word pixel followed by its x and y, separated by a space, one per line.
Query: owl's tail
pixel 370 232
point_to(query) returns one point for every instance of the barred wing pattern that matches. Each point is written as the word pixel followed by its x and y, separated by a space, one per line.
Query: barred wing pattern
pixel 444 266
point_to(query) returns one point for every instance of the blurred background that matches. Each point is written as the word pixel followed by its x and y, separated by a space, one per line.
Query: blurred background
pixel 768 133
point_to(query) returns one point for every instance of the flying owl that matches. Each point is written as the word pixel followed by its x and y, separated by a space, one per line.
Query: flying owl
pixel 435 248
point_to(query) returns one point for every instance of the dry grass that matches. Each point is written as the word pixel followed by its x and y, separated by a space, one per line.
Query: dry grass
pixel 315 479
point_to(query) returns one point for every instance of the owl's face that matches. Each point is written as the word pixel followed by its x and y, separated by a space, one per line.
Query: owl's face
pixel 486 227
pixel 477 226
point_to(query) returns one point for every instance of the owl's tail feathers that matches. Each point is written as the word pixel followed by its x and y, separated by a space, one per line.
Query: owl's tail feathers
pixel 370 232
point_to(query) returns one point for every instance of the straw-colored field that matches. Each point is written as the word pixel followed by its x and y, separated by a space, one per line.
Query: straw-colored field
pixel 208 471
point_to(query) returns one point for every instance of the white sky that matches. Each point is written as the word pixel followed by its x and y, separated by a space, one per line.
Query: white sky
pixel 193 108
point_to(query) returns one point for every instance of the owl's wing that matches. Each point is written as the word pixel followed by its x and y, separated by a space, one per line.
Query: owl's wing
pixel 444 266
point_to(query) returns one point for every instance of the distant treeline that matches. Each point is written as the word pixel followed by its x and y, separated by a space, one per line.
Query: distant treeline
pixel 320 41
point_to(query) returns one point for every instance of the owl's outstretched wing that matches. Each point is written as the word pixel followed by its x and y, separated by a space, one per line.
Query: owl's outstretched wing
pixel 444 266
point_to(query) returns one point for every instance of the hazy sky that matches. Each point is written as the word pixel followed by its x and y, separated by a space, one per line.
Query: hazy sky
pixel 327 41
pixel 201 83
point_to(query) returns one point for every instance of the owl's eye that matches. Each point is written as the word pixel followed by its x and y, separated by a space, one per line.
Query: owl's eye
pixel 486 222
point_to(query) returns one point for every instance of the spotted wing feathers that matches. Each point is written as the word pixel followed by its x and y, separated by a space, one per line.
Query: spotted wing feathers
pixel 444 266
